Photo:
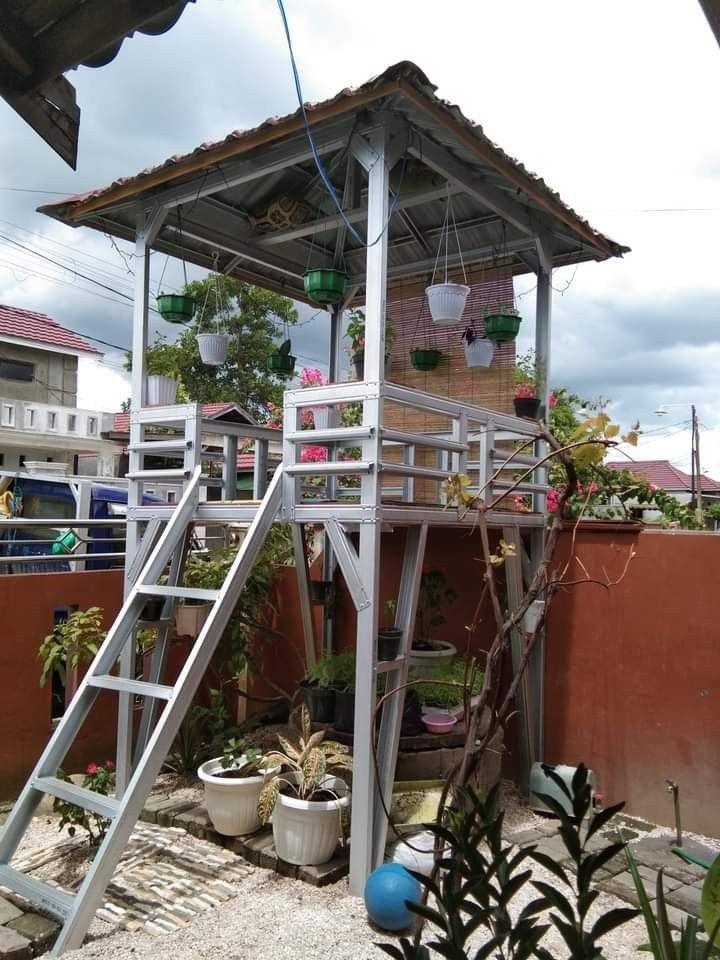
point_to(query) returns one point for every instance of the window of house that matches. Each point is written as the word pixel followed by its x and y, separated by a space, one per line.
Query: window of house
pixel 71 423
pixel 17 370
pixel 52 420
pixel 171 496
pixel 7 416
pixel 30 419
pixel 91 426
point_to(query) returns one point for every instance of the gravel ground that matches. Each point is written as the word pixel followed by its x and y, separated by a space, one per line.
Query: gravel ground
pixel 275 917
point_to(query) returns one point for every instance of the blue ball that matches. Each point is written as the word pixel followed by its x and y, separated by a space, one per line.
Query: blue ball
pixel 386 891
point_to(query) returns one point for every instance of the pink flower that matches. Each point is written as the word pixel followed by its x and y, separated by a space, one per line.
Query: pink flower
pixel 109 765
pixel 91 768
pixel 525 391
pixel 652 487
pixel 553 499
pixel 552 400
pixel 312 377
pixel 313 454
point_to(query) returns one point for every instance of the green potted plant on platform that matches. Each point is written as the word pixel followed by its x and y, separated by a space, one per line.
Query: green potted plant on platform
pixel 389 635
pixel 526 400
pixel 207 572
pixel 428 652
pixel 306 800
pixel 356 333
pixel 343 680
pixel 233 783
pixel 318 690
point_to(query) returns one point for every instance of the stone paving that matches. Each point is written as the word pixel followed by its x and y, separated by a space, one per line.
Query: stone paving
pixel 682 882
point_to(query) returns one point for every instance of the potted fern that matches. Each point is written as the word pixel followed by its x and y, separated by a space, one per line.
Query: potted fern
pixel 306 800
pixel 232 787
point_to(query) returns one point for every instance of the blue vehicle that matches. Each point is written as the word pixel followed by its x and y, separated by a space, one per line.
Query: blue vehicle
pixel 29 497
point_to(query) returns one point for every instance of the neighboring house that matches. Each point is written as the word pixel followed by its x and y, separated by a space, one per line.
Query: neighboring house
pixel 662 474
pixel 39 416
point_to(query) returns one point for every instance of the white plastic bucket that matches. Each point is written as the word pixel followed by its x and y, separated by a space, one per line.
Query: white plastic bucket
pixel 479 353
pixel 161 391
pixel 213 348
pixel 231 803
pixel 447 302
pixel 306 832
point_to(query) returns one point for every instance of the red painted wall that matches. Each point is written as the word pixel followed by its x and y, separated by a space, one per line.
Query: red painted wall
pixel 633 672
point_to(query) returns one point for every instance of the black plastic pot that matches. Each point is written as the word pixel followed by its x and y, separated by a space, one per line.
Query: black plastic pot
pixel 320 702
pixel 527 407
pixel 344 711
pixel 153 608
pixel 321 591
pixel 412 724
pixel 388 643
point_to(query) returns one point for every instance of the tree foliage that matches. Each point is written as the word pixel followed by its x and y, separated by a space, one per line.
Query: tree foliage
pixel 255 319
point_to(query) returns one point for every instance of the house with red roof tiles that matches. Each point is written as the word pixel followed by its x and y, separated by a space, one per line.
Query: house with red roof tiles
pixel 40 421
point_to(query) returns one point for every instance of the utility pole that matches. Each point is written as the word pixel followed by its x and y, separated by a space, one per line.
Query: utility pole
pixel 697 476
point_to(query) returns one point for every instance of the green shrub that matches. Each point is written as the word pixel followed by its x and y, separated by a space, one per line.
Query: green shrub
pixel 438 695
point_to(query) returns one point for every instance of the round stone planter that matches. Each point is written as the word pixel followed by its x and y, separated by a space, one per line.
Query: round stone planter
pixel 423 663
pixel 231 802
pixel 306 832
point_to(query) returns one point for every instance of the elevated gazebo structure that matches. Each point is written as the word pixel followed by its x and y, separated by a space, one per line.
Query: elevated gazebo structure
pixel 256 204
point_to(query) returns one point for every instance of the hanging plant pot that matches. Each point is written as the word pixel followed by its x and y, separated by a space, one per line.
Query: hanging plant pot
pixel 283 364
pixel 447 302
pixel 501 327
pixel 479 351
pixel 213 348
pixel 425 359
pixel 161 391
pixel 325 285
pixel 527 407
pixel 175 307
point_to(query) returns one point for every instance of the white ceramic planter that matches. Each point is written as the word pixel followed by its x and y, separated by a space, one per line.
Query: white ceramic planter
pixel 161 391
pixel 213 348
pixel 423 663
pixel 447 302
pixel 231 802
pixel 190 618
pixel 479 353
pixel 306 832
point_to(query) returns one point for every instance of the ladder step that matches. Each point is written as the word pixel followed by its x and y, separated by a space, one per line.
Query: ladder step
pixel 140 688
pixel 161 446
pixel 334 467
pixel 182 593
pixel 54 900
pixel 87 799
pixel 386 666
pixel 178 473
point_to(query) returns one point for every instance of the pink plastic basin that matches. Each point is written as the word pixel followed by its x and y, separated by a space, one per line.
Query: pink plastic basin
pixel 439 722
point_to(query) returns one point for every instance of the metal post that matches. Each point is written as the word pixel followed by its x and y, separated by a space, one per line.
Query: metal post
pixel 364 791
pixel 229 468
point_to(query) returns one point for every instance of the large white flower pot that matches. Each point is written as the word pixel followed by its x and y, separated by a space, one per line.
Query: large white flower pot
pixel 423 663
pixel 479 353
pixel 213 348
pixel 231 802
pixel 161 391
pixel 447 302
pixel 190 618
pixel 306 832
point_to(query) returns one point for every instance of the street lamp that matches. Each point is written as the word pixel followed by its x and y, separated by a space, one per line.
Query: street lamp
pixel 695 475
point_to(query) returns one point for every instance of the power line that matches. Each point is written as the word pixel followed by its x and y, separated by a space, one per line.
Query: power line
pixel 55 193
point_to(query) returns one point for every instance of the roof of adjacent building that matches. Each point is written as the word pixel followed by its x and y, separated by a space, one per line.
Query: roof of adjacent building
pixel 664 475
pixel 237 182
pixel 20 324
pixel 210 411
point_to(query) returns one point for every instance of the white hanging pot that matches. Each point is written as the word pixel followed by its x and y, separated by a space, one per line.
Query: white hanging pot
pixel 213 348
pixel 161 391
pixel 447 302
pixel 479 352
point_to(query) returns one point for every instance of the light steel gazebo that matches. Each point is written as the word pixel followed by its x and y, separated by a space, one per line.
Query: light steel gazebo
pixel 393 152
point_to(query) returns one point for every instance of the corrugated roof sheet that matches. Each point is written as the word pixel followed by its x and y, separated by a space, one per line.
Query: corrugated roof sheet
pixel 38 327
pixel 664 475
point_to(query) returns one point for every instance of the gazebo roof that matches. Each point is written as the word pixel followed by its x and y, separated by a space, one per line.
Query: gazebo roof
pixel 257 200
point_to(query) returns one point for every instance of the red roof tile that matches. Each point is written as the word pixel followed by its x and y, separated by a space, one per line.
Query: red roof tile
pixel 209 410
pixel 664 475
pixel 38 327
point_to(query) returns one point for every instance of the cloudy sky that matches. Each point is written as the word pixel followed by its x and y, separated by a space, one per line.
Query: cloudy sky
pixel 612 102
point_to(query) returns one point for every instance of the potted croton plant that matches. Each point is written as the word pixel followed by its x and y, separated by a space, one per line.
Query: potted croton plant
pixel 233 784
pixel 306 800
pixel 428 653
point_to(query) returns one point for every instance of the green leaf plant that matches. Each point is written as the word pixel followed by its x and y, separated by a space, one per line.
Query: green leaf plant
pixel 73 643
pixel 309 761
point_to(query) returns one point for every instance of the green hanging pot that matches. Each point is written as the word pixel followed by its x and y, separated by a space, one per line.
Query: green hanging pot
pixel 425 359
pixel 501 327
pixel 325 285
pixel 281 363
pixel 175 307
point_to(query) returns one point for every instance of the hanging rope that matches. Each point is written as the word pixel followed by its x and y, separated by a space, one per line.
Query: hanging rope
pixel 445 236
